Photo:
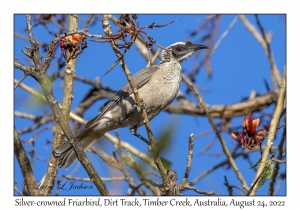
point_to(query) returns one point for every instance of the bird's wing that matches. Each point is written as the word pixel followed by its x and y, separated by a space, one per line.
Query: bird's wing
pixel 140 79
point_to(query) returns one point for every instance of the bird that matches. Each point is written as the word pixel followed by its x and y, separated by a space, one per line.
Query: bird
pixel 157 86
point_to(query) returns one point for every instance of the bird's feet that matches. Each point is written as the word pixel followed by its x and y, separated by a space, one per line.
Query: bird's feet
pixel 133 131
pixel 134 108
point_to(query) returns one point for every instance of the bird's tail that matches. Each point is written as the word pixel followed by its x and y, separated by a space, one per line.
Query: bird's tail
pixel 65 152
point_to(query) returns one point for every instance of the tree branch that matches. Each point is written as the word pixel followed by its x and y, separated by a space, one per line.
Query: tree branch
pixel 265 44
pixel 65 109
pixel 224 147
pixel 25 165
pixel 44 81
pixel 272 131
pixel 153 143
pixel 207 172
pixel 226 111
pixel 276 168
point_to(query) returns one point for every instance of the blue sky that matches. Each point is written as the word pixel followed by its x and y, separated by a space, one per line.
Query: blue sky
pixel 239 66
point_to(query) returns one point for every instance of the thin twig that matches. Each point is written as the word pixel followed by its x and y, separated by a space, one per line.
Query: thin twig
pixel 189 159
pixel 109 179
pixel 88 22
pixel 25 115
pixel 176 189
pixel 276 168
pixel 38 122
pixel 94 83
pixel 23 77
pixel 224 34
pixel 274 70
pixel 33 138
pixel 204 192
pixel 21 37
pixel 207 172
pixel 264 43
pixel 229 187
pixel 272 131
pixel 16 188
pixel 278 186
pixel 40 96
pixel 116 163
pixel 132 150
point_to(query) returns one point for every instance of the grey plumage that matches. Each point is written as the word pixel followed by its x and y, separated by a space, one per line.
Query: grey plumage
pixel 157 85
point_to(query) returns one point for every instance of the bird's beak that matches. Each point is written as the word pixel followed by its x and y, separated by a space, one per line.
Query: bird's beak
pixel 195 47
pixel 200 46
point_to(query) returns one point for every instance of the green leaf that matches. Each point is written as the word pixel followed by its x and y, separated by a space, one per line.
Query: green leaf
pixel 165 137
pixel 128 161
pixel 167 164
pixel 267 173
pixel 259 160
pixel 262 180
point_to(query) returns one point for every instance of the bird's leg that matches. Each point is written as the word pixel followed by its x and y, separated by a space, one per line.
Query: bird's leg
pixel 135 107
pixel 133 132
pixel 139 109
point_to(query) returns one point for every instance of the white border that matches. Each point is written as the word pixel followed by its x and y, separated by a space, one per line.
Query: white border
pixel 153 6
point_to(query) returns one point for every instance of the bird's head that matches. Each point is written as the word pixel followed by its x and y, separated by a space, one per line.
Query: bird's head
pixel 180 51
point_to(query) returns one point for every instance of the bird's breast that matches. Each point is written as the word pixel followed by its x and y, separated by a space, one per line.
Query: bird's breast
pixel 160 91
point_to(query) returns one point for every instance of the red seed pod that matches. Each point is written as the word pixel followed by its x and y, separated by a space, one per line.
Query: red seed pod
pixel 241 139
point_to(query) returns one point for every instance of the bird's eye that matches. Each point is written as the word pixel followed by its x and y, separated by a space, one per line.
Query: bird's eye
pixel 178 49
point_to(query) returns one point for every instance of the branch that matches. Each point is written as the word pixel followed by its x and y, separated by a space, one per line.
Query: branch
pixel 26 69
pixel 51 46
pixel 224 147
pixel 40 96
pixel 204 192
pixel 24 165
pixel 153 143
pixel 38 121
pixel 128 176
pixel 110 137
pixel 116 163
pixel 95 83
pixel 176 189
pixel 189 159
pixel 132 150
pixel 272 130
pixel 42 78
pixel 16 189
pixel 229 187
pixel 225 111
pixel 128 160
pixel 255 104
pixel 224 34
pixel 279 157
pixel 86 24
pixel 207 172
pixel 264 41
pixel 25 115
pixel 65 108
pixel 110 179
